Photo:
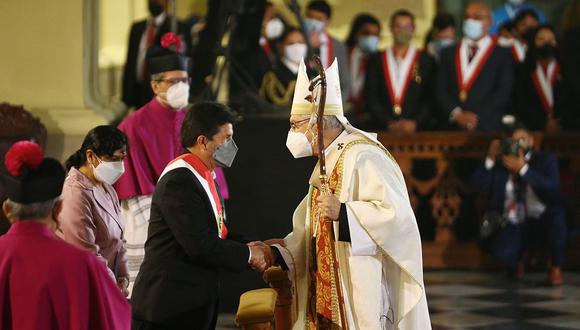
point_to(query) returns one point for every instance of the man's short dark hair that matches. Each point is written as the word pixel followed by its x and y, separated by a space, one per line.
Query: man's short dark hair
pixel 321 6
pixel 205 118
pixel 402 13
pixel 525 13
pixel 443 21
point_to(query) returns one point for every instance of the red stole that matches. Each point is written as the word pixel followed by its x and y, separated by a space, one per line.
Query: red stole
pixel 207 175
pixel 397 88
pixel 544 83
pixel 467 73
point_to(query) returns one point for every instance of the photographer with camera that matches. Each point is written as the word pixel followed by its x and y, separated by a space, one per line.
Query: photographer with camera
pixel 524 199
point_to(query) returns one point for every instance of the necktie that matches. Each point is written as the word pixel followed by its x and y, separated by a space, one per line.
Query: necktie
pixel 472 52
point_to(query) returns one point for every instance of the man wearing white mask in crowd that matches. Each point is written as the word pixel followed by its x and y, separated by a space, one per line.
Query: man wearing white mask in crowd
pixel 475 78
pixel 272 29
pixel 318 15
pixel 441 35
pixel 509 11
pixel 91 215
pixel 153 133
pixel 377 245
pixel 278 84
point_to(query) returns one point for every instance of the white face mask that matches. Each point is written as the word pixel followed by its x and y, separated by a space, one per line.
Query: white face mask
pixel 505 42
pixel 274 28
pixel 108 172
pixel 473 29
pixel 298 144
pixel 178 95
pixel 295 52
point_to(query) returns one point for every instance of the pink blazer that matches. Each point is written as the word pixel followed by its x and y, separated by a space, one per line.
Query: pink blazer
pixel 91 219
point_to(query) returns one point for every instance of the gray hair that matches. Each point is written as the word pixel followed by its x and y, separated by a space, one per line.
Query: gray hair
pixel 40 210
pixel 331 122
pixel 157 76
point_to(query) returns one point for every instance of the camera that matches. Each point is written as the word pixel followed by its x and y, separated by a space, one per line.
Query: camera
pixel 510 147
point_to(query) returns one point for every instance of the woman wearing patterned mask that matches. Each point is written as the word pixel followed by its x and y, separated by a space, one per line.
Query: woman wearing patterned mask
pixel 278 84
pixel 91 216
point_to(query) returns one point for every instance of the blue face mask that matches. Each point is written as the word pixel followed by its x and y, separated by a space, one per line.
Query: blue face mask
pixel 473 29
pixel 438 45
pixel 368 44
pixel 313 25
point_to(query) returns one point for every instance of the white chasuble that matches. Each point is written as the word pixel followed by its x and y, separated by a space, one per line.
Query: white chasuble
pixel 381 269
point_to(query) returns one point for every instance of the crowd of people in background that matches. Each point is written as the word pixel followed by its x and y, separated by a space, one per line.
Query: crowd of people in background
pixel 465 76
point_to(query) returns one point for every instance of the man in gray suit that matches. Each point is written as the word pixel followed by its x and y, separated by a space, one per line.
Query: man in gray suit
pixel 318 14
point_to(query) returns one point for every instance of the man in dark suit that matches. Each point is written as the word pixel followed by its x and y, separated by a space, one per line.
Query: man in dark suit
pixel 144 34
pixel 524 187
pixel 475 79
pixel 188 242
pixel 399 81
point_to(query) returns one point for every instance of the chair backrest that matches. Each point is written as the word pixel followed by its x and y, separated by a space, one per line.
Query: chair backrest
pixel 17 124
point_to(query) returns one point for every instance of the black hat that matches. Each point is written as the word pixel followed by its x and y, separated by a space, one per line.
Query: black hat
pixel 28 177
pixel 166 57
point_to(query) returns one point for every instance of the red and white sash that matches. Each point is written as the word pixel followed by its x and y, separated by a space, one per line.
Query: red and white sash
pixel 519 51
pixel 544 84
pixel 467 72
pixel 327 51
pixel 186 161
pixel 397 85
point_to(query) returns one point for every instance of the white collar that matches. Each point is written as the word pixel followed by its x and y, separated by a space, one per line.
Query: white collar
pixel 481 43
pixel 290 65
pixel 323 37
pixel 335 142
pixel 159 19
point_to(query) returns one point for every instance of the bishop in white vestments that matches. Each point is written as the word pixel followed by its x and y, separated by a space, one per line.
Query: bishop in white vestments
pixel 378 247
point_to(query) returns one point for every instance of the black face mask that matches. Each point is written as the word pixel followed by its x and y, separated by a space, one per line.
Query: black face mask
pixel 546 51
pixel 155 8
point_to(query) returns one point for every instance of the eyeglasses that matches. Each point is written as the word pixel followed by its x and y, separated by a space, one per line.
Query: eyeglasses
pixel 294 125
pixel 174 81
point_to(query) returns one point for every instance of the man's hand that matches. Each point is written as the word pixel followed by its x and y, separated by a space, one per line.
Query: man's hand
pixel 329 206
pixel 467 120
pixel 494 149
pixel 514 163
pixel 262 256
pixel 123 284
pixel 403 126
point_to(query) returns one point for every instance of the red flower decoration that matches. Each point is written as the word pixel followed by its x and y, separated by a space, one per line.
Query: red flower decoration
pixel 169 39
pixel 23 153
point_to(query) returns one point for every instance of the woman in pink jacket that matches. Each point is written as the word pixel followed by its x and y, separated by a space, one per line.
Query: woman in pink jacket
pixel 91 217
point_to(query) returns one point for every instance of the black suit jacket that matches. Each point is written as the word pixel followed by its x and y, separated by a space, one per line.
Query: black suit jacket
pixel 528 105
pixel 417 103
pixel 183 253
pixel 489 97
pixel 137 93
pixel 542 176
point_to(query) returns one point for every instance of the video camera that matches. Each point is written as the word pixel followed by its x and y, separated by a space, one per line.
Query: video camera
pixel 510 147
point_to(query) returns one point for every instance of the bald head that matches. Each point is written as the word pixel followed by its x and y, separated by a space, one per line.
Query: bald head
pixel 480 11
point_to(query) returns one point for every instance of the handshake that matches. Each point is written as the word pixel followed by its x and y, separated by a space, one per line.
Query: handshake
pixel 262 256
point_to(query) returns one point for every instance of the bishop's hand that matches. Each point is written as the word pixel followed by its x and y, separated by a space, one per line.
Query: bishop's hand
pixel 262 256
pixel 329 206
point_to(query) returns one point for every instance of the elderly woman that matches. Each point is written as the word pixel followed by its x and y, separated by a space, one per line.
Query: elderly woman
pixel 91 216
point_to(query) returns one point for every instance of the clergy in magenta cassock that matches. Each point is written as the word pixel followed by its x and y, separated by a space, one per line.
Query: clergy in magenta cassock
pixel 153 133
pixel 378 247
pixel 46 283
